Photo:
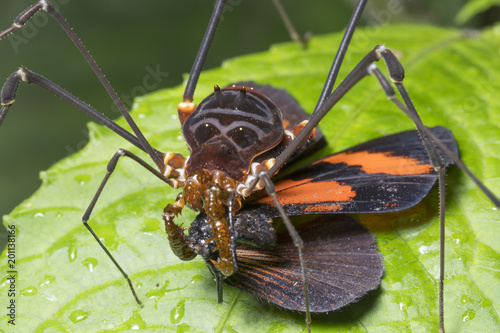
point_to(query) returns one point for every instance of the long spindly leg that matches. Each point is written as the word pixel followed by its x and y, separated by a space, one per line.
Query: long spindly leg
pixel 297 241
pixel 362 69
pixel 396 72
pixel 8 95
pixel 45 5
pixel 202 55
pixel 410 110
pixel 339 56
pixel 110 168
pixel 294 35
pixel 170 161
pixel 9 91
pixel 344 44
pixel 430 142
pixel 358 73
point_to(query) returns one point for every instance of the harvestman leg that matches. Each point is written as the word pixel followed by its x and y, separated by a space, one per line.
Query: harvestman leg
pixel 361 70
pixel 412 113
pixel 397 74
pixel 194 75
pixel 8 95
pixel 44 5
pixel 110 168
pixel 339 56
pixel 430 141
pixel 266 176
pixel 294 35
pixel 9 91
pixel 366 67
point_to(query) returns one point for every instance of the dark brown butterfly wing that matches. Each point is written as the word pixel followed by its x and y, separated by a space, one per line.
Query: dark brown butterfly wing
pixel 342 264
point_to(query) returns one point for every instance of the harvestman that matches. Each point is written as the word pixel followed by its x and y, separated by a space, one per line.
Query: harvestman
pixel 220 193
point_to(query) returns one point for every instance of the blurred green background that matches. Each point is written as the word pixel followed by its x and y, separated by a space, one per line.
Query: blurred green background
pixel 128 37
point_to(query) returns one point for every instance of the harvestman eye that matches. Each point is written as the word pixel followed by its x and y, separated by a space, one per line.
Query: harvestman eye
pixel 205 132
pixel 243 137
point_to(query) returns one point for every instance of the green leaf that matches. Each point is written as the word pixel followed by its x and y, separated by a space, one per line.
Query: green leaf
pixel 474 7
pixel 65 282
